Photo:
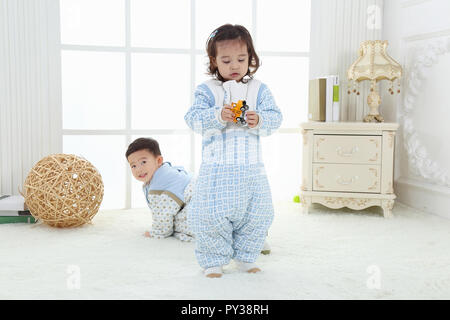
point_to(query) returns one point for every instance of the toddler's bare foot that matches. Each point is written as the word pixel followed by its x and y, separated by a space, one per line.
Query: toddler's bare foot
pixel 214 275
pixel 214 272
pixel 254 270
pixel 147 234
pixel 247 267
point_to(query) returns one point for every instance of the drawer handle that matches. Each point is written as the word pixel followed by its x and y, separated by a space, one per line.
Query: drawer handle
pixel 346 182
pixel 346 154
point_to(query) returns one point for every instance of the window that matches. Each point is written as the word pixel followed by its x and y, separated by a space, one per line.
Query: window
pixel 123 60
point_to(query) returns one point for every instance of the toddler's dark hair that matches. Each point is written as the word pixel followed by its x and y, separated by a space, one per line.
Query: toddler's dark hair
pixel 144 144
pixel 231 32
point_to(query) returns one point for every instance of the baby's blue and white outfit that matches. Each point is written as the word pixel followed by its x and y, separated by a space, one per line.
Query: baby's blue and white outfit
pixel 168 195
pixel 231 209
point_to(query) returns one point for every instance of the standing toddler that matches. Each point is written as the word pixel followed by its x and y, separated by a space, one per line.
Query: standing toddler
pixel 231 209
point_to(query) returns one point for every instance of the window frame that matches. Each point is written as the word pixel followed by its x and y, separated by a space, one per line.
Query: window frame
pixel 127 49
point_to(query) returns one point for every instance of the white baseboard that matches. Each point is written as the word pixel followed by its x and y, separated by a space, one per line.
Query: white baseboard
pixel 423 196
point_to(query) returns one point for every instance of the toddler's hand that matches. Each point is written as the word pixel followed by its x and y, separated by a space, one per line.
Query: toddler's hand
pixel 147 234
pixel 252 119
pixel 226 114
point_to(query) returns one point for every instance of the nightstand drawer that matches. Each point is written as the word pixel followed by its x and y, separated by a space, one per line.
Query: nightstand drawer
pixel 346 178
pixel 347 149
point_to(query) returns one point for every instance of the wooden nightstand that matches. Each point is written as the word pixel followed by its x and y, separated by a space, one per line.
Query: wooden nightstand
pixel 348 164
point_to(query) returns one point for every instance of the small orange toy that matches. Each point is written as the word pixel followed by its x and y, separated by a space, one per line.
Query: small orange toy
pixel 239 110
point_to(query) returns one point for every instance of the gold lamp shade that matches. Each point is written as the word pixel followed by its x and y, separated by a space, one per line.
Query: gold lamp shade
pixel 374 64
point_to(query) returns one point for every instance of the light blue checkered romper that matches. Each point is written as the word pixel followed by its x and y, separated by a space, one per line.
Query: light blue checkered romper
pixel 231 209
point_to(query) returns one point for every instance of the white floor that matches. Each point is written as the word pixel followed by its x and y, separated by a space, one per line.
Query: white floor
pixel 340 254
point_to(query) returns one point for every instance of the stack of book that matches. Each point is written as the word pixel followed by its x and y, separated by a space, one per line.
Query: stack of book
pixel 323 104
pixel 14 210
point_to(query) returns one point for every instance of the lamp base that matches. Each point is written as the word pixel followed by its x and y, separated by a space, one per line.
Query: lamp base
pixel 371 117
pixel 374 101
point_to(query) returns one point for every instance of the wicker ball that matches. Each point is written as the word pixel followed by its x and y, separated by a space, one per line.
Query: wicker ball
pixel 63 190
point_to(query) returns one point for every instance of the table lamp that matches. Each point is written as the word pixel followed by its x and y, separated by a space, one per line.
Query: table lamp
pixel 373 64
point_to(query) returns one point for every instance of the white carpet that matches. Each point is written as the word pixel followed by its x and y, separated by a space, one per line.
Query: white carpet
pixel 341 254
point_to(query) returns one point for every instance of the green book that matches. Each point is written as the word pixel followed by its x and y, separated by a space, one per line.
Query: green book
pixel 336 93
pixel 17 219
pixel 336 108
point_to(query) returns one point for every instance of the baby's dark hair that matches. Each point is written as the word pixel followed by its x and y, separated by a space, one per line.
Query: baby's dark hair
pixel 231 32
pixel 144 144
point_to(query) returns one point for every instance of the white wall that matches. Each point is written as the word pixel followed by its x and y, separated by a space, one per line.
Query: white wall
pixel 418 32
pixel 337 29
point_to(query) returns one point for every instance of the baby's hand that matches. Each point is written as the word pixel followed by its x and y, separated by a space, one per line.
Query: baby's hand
pixel 252 119
pixel 227 115
pixel 147 234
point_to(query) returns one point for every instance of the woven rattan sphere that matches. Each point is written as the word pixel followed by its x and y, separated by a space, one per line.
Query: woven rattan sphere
pixel 63 190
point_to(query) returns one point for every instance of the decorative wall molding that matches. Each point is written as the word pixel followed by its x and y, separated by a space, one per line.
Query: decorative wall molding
pixel 419 159
pixel 410 3
pixel 428 35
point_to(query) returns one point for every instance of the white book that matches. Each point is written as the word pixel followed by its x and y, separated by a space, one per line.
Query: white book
pixel 329 100
pixel 14 213
pixel 12 203
pixel 336 98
